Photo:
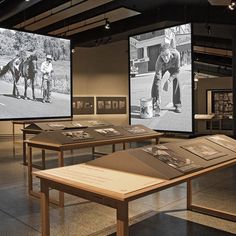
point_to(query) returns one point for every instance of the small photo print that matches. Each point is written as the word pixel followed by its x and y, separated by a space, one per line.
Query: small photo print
pixel 115 105
pixel 87 105
pixel 101 105
pixel 108 132
pixel 121 104
pixel 79 104
pixel 108 105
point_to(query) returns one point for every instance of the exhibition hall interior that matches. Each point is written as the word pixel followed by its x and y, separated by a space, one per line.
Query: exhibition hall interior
pixel 117 117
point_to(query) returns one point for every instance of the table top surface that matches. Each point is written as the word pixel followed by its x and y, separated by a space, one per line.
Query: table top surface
pixel 204 116
pixel 127 185
pixel 113 184
pixel 58 139
pixel 104 181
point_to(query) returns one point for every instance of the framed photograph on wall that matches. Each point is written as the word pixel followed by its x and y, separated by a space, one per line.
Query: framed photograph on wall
pixel 111 105
pixel 83 105
pixel 220 102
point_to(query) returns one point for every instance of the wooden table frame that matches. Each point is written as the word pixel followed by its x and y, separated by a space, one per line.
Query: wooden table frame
pixel 60 148
pixel 205 117
pixel 23 123
pixel 121 204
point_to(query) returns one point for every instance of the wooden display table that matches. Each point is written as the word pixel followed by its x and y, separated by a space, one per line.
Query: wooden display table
pixel 103 186
pixel 46 125
pixel 55 141
pixel 23 123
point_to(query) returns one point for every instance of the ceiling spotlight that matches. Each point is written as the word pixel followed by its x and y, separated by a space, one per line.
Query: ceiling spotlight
pixel 27 0
pixel 107 24
pixel 232 5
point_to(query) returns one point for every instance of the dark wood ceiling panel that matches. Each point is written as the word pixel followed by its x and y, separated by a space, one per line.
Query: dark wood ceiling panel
pixel 28 12
pixel 56 15
pixel 79 17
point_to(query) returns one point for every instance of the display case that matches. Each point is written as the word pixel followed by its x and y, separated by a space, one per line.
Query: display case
pixel 220 102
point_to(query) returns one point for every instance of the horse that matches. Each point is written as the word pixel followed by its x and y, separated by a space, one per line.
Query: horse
pixel 13 67
pixel 28 70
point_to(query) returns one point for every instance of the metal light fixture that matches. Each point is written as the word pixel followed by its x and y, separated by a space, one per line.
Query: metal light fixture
pixel 107 24
pixel 232 5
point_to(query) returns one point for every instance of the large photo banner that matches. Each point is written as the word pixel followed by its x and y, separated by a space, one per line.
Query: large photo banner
pixel 35 76
pixel 161 79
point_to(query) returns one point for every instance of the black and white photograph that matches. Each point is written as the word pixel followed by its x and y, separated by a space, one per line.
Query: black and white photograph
pixel 223 142
pixel 35 75
pixel 111 105
pixel 161 79
pixel 135 130
pixel 84 105
pixel 170 158
pixel 77 135
pixel 108 132
pixel 203 150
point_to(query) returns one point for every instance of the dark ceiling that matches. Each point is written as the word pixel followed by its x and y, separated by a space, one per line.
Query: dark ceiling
pixel 83 22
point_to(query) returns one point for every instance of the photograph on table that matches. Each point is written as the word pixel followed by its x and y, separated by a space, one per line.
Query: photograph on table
pixel 77 135
pixel 160 75
pixel 223 141
pixel 83 105
pixel 108 132
pixel 111 105
pixel 169 157
pixel 35 76
pixel 204 150
pixel 135 129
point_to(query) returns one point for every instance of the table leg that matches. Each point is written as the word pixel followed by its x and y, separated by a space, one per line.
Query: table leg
pixel 124 146
pixel 157 140
pixel 113 147
pixel 30 179
pixel 13 133
pixel 61 164
pixel 211 126
pixel 189 194
pixel 122 219
pixel 93 152
pixel 43 159
pixel 45 219
pixel 24 149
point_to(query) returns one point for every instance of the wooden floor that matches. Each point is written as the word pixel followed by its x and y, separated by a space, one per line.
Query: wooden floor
pixel 161 214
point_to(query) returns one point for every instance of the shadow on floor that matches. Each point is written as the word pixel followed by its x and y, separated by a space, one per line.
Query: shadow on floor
pixel 166 225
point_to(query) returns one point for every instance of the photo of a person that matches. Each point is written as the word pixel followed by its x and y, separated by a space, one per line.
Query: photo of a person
pixel 115 105
pixel 47 70
pixel 108 105
pixel 161 91
pixel 167 61
pixel 121 104
pixel 101 105
pixel 80 104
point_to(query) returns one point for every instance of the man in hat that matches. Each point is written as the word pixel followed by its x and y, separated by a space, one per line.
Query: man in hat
pixel 168 60
pixel 47 70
